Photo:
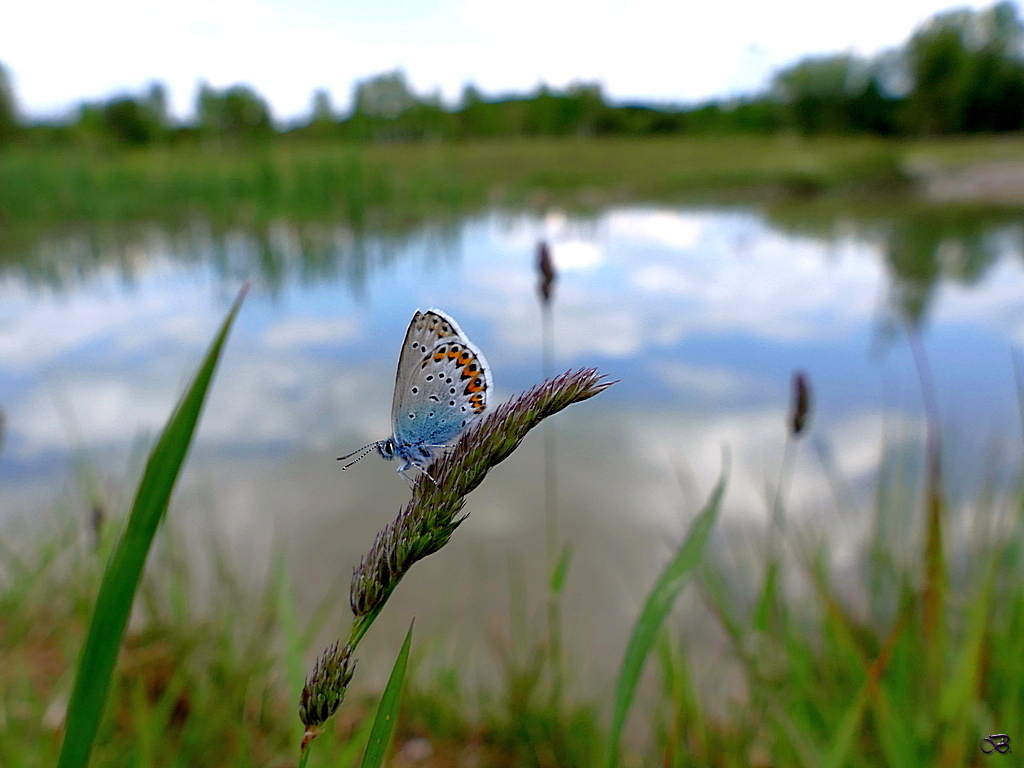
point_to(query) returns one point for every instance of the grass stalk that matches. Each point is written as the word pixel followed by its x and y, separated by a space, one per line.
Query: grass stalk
pixel 427 523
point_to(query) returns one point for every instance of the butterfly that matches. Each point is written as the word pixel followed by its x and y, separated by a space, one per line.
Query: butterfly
pixel 441 387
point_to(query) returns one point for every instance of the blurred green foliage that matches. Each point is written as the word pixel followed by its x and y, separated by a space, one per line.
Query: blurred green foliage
pixel 962 71
pixel 8 108
pixel 967 71
pixel 236 113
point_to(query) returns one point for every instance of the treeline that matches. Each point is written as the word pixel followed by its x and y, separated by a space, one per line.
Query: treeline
pixel 960 72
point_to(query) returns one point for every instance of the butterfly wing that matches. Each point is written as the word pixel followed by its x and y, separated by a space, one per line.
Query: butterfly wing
pixel 442 382
pixel 426 331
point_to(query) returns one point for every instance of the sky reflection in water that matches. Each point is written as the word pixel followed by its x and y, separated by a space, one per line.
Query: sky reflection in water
pixel 702 314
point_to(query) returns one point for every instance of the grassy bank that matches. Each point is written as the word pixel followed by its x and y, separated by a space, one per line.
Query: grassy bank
pixel 368 184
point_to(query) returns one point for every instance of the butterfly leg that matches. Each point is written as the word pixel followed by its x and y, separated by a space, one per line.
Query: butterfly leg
pixel 402 471
pixel 409 479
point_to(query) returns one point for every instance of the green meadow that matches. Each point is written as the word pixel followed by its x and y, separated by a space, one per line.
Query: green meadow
pixel 368 185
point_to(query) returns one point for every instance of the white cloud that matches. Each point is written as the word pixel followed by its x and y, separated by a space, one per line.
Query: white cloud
pixel 775 288
pixel 575 255
pixel 661 278
pixel 754 441
pixel 35 330
pixel 253 402
pixel 674 229
pixel 105 411
pixel 612 332
pixel 994 303
pixel 663 275
pixel 303 331
pixel 705 380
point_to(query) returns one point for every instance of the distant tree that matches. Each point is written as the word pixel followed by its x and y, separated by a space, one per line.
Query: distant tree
pixel 471 97
pixel 836 94
pixel 873 111
pixel 587 106
pixel 8 108
pixel 387 109
pixel 479 117
pixel 995 100
pixel 155 104
pixel 542 118
pixel 967 71
pixel 940 70
pixel 321 109
pixel 627 120
pixel 237 113
pixel 577 110
pixel 816 92
pixel 126 121
pixel 427 119
pixel 385 96
pixel 323 122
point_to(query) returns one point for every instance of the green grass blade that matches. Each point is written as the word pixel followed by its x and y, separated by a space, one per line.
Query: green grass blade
pixel 387 712
pixel 124 569
pixel 962 687
pixel 845 738
pixel 658 604
pixel 561 570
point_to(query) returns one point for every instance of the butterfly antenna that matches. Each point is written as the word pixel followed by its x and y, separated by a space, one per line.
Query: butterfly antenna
pixel 362 452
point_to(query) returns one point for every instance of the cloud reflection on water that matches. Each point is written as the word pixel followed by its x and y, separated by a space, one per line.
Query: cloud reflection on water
pixel 703 315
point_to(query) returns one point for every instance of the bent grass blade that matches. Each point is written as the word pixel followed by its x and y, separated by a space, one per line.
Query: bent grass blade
pixel 124 569
pixel 659 603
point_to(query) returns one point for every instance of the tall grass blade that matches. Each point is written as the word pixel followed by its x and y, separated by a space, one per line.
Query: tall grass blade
pixel 933 597
pixel 561 570
pixel 962 686
pixel 657 607
pixel 124 569
pixel 387 712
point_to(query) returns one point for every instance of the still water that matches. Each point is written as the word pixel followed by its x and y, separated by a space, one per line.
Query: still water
pixel 702 314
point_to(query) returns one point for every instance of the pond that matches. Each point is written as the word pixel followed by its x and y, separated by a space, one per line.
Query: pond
pixel 701 314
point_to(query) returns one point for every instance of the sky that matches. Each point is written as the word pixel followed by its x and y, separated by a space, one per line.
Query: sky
pixel 639 50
